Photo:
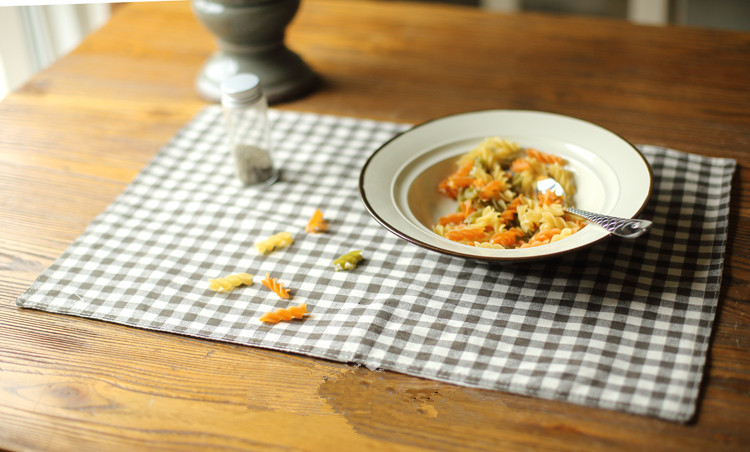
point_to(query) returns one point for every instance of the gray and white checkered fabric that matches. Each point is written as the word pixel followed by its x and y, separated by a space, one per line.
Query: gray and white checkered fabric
pixel 623 325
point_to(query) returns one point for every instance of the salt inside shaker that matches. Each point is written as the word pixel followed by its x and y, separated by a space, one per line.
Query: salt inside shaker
pixel 246 115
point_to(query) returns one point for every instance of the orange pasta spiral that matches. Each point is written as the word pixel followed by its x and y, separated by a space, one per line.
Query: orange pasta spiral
pixel 464 233
pixel 450 185
pixel 542 237
pixel 292 312
pixel 506 237
pixel 276 287
pixel 452 218
pixel 493 189
pixel 549 197
pixel 512 209
pixel 317 223
pixel 545 158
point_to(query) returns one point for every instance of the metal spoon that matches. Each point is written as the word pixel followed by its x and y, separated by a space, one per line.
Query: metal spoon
pixel 621 227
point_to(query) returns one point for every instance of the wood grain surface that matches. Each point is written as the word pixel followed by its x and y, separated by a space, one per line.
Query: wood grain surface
pixel 74 136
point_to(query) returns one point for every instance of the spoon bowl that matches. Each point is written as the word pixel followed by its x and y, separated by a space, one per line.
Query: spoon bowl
pixel 622 227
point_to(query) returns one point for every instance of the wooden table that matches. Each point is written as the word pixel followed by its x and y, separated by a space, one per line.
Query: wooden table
pixel 74 136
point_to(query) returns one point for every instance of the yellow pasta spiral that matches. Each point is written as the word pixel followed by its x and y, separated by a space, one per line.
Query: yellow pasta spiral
pixel 228 283
pixel 274 242
pixel 565 178
pixel 566 232
pixel 551 221
pixel 488 245
pixel 489 218
pixel 491 152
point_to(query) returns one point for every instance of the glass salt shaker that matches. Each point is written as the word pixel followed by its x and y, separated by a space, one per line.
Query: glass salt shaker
pixel 246 115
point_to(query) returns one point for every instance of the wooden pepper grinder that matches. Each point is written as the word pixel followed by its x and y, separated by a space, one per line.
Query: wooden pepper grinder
pixel 251 39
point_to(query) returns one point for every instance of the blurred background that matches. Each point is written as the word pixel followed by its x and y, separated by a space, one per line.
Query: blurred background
pixel 722 14
pixel 33 37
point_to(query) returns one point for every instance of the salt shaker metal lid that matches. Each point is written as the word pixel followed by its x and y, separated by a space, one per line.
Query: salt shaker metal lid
pixel 241 89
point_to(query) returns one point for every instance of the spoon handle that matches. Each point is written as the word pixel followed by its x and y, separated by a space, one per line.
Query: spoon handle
pixel 621 227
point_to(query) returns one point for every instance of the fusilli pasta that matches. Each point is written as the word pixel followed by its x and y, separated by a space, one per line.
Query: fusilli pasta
pixel 228 283
pixel 292 312
pixel 498 207
pixel 276 287
pixel 348 261
pixel 274 242
pixel 317 223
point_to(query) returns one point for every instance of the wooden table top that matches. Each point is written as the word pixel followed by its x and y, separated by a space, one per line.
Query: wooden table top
pixel 74 136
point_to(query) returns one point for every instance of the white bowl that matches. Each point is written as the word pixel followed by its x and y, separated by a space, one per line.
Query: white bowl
pixel 398 183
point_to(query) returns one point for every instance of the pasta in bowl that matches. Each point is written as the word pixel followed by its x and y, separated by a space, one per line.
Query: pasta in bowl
pixel 498 204
pixel 400 184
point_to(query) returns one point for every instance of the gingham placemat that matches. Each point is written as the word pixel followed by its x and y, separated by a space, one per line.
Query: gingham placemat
pixel 623 325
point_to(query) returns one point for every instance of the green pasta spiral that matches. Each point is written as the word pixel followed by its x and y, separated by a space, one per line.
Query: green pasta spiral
pixel 348 261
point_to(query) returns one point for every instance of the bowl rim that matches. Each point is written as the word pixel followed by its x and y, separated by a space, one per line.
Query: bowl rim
pixel 489 258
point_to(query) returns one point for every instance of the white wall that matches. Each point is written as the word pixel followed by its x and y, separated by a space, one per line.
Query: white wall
pixel 35 36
